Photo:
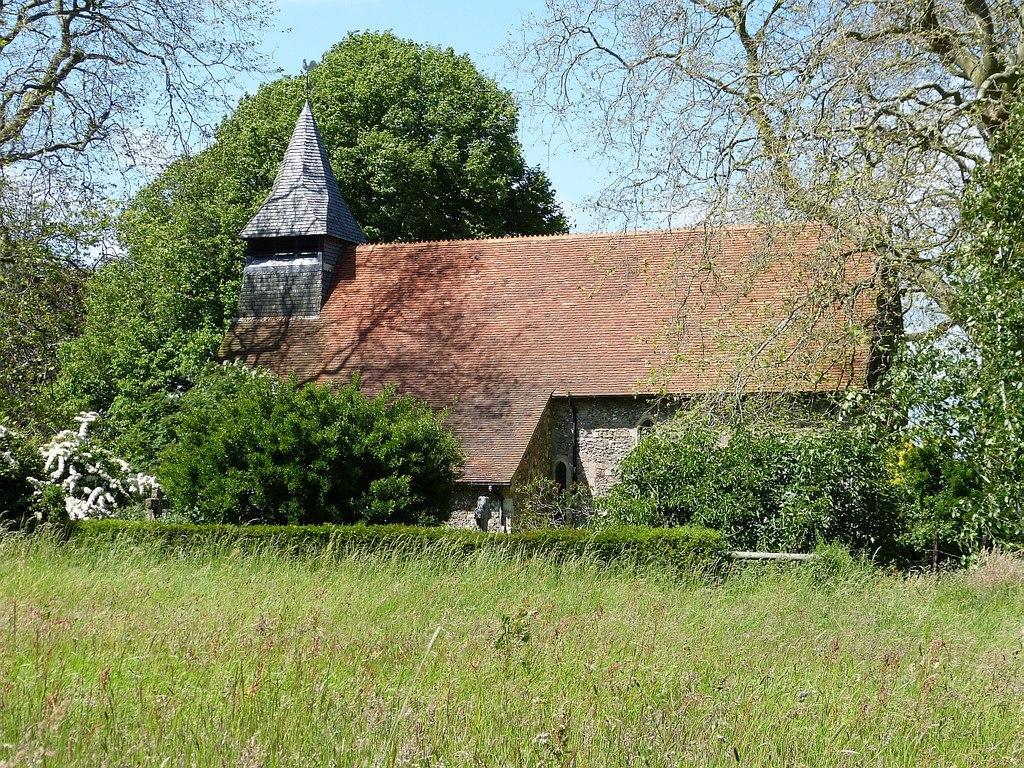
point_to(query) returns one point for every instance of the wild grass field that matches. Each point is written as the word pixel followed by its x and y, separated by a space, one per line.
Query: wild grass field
pixel 128 657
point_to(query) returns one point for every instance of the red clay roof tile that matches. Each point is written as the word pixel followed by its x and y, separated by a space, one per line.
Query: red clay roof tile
pixel 492 328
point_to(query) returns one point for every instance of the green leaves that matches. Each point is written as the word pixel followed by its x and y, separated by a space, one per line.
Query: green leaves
pixel 965 392
pixel 41 290
pixel 683 549
pixel 19 461
pixel 249 448
pixel 424 146
pixel 771 489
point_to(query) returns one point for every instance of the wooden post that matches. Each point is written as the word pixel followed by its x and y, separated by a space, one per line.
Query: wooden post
pixel 741 555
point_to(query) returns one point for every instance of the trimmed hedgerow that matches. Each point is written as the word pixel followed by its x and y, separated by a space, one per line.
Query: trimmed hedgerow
pixel 683 547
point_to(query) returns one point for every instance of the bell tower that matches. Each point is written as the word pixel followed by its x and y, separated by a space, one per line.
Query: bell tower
pixel 296 238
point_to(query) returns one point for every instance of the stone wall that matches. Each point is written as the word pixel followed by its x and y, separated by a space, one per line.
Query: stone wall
pixel 606 430
pixel 499 504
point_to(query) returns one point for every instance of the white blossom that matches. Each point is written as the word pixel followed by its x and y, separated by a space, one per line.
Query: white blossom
pixel 96 484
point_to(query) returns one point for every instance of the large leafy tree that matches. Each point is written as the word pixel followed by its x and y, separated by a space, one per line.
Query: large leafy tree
pixel 965 390
pixel 41 296
pixel 424 147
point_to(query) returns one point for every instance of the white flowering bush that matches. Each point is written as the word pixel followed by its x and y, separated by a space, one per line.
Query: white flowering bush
pixel 95 483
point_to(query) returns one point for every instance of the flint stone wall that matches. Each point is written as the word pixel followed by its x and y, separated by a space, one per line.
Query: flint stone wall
pixel 608 428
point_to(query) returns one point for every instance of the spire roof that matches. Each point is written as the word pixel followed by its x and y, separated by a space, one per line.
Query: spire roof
pixel 305 199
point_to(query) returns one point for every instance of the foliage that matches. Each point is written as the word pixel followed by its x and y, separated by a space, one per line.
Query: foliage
pixel 771 489
pixel 964 387
pixel 621 506
pixel 541 503
pixel 685 547
pixel 95 483
pixel 250 448
pixel 943 489
pixel 424 147
pixel 234 657
pixel 154 320
pixel 41 295
pixel 19 463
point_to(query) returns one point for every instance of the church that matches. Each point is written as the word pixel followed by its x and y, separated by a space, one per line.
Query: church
pixel 549 355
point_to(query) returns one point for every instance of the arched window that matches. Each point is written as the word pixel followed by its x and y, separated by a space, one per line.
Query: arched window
pixel 645 427
pixel 562 474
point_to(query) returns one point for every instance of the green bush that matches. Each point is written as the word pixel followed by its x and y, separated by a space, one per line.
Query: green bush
pixel 944 491
pixel 621 507
pixel 251 448
pixel 19 461
pixel 770 489
pixel 684 547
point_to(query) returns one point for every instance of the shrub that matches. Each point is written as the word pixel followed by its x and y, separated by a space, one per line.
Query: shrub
pixel 95 483
pixel 541 503
pixel 771 490
pixel 685 547
pixel 943 490
pixel 19 463
pixel 621 507
pixel 251 448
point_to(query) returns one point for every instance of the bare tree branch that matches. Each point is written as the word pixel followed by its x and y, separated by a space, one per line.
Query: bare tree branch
pixel 868 116
pixel 80 78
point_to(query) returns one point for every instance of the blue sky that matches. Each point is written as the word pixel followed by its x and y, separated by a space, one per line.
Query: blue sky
pixel 307 28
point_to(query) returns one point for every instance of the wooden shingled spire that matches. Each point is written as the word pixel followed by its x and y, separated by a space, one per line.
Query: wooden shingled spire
pixel 305 200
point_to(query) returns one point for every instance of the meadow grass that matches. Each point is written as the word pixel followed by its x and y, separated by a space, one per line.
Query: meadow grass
pixel 126 656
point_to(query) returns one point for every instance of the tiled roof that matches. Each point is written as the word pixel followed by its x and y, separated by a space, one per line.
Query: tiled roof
pixel 493 328
pixel 305 199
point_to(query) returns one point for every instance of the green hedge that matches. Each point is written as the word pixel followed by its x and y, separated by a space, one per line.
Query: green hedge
pixel 686 547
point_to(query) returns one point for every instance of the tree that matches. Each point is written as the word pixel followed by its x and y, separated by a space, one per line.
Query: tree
pixel 966 390
pixel 88 75
pixel 867 115
pixel 41 294
pixel 424 147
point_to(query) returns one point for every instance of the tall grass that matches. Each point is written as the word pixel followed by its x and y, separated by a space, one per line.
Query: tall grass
pixel 128 656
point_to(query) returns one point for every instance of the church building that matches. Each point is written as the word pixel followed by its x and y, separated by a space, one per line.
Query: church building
pixel 552 354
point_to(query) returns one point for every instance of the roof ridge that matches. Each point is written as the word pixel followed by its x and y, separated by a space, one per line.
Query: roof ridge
pixel 589 235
